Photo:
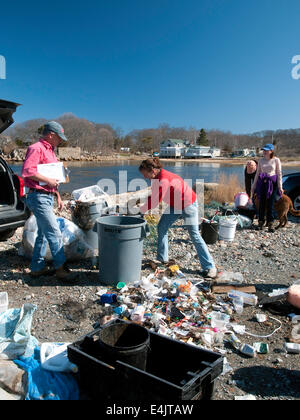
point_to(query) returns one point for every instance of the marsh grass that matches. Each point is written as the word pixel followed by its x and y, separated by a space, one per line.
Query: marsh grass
pixel 228 187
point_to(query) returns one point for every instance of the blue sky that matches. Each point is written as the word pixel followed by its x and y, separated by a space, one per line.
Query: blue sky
pixel 223 64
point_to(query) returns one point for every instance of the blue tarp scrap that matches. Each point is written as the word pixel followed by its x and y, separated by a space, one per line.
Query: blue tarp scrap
pixel 46 385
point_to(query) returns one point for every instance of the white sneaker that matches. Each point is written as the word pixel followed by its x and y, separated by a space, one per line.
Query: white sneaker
pixel 212 273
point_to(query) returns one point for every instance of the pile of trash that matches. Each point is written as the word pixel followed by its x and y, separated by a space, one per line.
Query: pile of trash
pixel 195 312
pixel 166 302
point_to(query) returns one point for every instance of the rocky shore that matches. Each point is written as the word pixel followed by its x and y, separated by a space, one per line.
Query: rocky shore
pixel 267 261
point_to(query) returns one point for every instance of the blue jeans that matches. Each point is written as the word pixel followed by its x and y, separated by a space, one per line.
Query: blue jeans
pixel 41 206
pixel 190 215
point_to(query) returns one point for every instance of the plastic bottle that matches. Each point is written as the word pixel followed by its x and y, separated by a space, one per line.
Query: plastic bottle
pixel 248 299
pixel 109 298
pixel 138 313
pixel 120 309
pixel 238 304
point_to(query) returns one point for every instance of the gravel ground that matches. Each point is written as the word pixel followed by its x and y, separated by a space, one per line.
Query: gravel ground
pixel 269 261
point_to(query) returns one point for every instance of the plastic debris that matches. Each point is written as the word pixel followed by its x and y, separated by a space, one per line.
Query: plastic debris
pixel 185 309
pixel 248 350
pixel 109 298
pixel 261 348
pixel 261 318
pixel 88 194
pixel 54 357
pixel 247 298
pixel 292 348
pixel 230 277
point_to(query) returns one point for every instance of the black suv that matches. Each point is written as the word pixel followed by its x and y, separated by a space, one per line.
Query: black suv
pixel 291 186
pixel 13 212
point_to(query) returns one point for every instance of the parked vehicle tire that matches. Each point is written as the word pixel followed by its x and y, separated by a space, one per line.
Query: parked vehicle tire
pixel 295 197
pixel 7 234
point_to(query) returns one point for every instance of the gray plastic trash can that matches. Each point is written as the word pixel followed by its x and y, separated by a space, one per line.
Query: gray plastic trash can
pixel 121 241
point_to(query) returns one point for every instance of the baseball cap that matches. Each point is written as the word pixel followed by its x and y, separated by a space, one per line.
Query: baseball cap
pixel 268 147
pixel 56 128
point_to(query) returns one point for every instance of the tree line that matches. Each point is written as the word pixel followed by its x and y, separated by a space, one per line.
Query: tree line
pixel 105 139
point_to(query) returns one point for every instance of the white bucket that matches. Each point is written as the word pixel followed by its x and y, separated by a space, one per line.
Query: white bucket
pixel 241 200
pixel 227 229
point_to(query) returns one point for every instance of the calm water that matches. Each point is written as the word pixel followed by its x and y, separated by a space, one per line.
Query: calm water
pixel 85 174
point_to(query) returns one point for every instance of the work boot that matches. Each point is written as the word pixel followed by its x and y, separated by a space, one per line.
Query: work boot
pixel 46 271
pixel 271 228
pixel 63 273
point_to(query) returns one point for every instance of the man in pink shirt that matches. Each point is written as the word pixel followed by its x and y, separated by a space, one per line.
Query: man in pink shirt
pixel 40 201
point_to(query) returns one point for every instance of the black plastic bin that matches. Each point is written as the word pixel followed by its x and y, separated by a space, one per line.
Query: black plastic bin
pixel 175 371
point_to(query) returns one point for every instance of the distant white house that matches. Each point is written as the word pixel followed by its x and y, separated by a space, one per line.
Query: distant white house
pixel 125 149
pixel 182 149
pixel 244 153
pixel 173 148
pixel 198 152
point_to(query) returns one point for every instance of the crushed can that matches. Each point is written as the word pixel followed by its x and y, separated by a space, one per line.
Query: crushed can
pixel 234 341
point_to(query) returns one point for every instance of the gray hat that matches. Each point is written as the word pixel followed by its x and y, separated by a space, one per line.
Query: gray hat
pixel 56 128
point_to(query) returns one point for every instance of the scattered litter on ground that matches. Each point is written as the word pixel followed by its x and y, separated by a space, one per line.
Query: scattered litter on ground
pixel 179 304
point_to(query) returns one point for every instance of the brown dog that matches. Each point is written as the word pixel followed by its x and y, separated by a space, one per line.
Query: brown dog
pixel 283 207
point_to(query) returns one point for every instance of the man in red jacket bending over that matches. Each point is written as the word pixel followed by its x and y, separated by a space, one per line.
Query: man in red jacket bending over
pixel 182 201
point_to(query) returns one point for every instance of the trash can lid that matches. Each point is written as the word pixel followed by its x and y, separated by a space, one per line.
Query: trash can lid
pixel 128 222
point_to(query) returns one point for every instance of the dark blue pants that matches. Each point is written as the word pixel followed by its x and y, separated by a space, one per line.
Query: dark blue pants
pixel 266 205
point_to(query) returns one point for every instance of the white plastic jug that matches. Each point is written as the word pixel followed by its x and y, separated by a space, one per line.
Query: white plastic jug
pixel 241 199
pixel 227 229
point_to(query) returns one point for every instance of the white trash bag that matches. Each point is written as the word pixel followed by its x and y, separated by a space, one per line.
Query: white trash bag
pixel 74 240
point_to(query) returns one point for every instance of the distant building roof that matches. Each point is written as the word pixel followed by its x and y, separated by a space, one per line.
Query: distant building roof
pixel 177 142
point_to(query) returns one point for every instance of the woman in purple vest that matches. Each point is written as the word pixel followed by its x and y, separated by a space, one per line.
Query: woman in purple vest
pixel 267 185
